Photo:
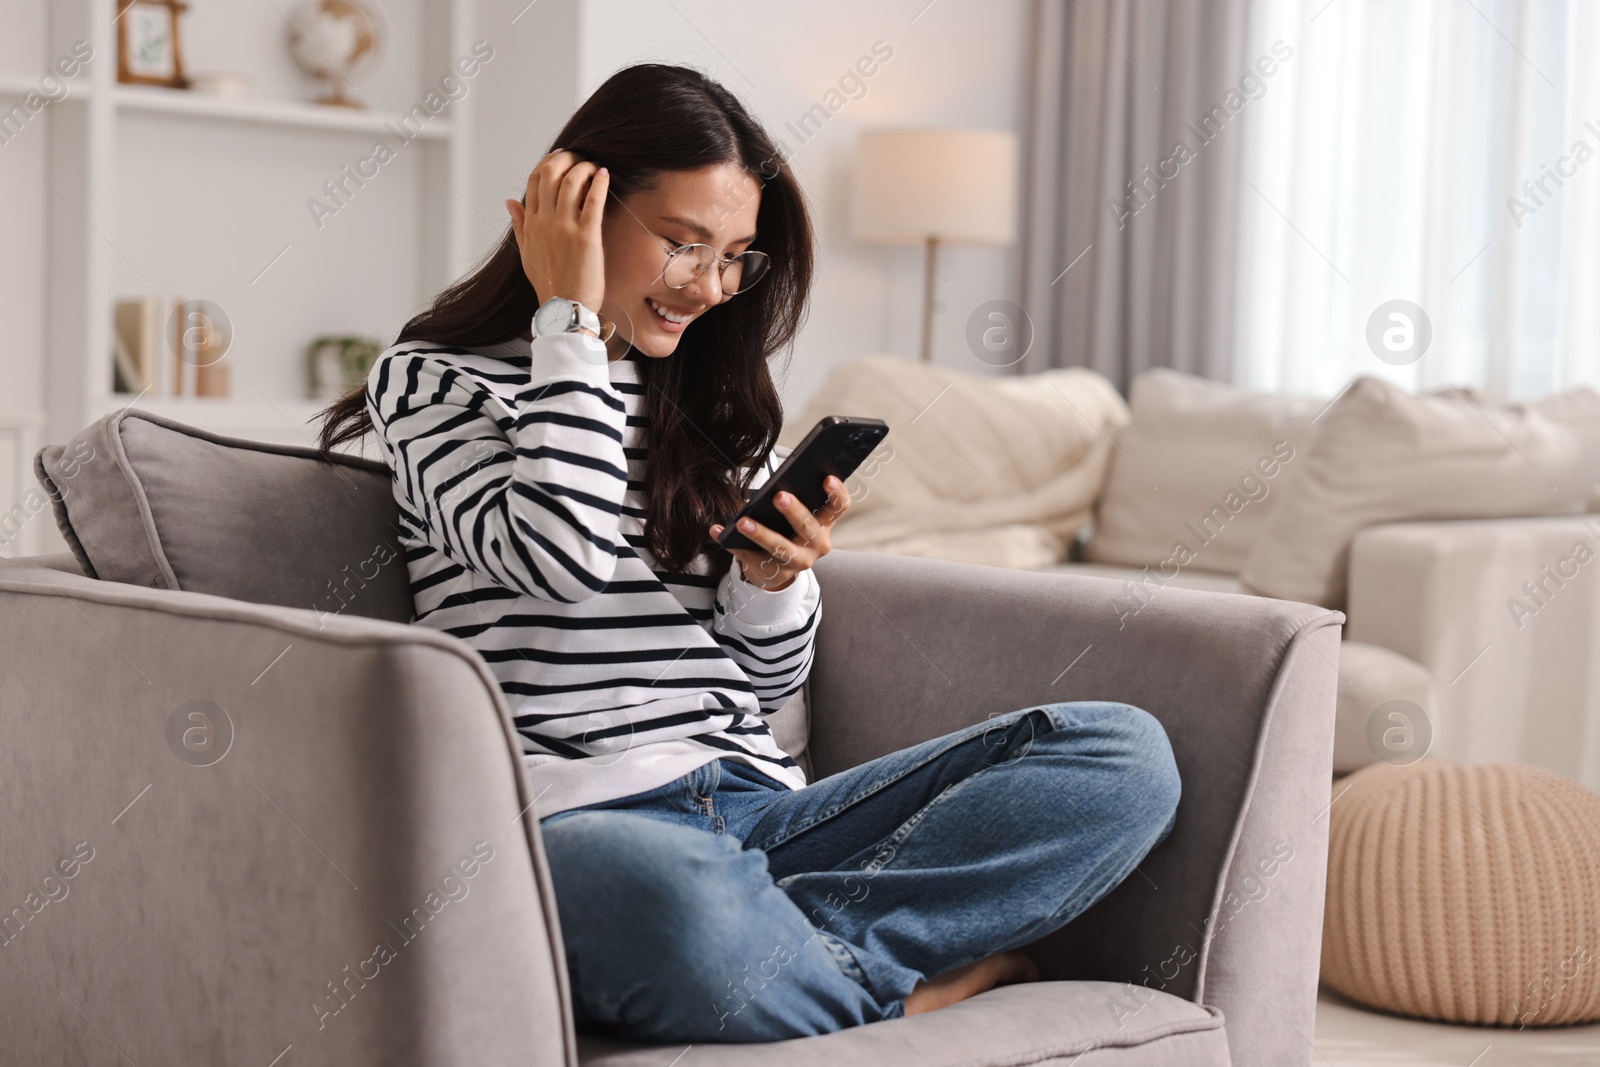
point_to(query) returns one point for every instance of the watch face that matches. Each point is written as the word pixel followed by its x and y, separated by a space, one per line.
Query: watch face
pixel 553 316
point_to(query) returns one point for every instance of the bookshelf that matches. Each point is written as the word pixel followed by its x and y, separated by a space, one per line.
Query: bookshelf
pixel 134 99
pixel 155 192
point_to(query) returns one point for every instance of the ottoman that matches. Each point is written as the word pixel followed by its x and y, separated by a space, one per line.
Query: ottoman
pixel 1465 893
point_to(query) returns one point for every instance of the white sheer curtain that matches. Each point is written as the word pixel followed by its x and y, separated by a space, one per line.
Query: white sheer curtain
pixel 1379 167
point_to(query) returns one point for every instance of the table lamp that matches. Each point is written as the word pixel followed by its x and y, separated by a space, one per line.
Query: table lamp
pixel 936 186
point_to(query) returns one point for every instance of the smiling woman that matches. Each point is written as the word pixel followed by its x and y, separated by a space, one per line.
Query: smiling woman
pixel 568 427
pixel 676 147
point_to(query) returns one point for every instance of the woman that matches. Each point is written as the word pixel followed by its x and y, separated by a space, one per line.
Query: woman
pixel 568 427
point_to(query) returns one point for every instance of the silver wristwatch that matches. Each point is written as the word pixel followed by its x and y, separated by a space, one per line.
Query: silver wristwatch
pixel 560 315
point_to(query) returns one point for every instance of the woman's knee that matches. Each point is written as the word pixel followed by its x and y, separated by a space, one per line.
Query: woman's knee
pixel 1134 752
pixel 1150 773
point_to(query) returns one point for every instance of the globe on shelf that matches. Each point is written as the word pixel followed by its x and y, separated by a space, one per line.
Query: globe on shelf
pixel 336 41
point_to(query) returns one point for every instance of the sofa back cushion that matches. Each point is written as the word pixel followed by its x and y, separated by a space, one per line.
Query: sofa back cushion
pixel 1198 466
pixel 148 501
pixel 1383 455
pixel 976 469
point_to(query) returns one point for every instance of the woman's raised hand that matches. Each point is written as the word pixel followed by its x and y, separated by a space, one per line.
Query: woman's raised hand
pixel 558 231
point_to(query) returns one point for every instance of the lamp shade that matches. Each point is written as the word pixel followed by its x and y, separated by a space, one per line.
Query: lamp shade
pixel 956 186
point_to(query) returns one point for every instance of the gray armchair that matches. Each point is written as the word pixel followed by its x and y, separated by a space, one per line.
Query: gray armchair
pixel 309 835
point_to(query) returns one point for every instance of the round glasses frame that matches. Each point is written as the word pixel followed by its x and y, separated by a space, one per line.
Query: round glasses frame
pixel 754 263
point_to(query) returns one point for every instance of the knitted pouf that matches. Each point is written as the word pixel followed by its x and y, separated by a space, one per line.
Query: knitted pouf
pixel 1465 893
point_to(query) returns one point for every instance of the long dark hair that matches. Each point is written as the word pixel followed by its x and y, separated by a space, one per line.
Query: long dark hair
pixel 713 411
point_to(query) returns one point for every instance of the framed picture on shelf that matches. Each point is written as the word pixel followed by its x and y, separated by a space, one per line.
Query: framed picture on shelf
pixel 147 43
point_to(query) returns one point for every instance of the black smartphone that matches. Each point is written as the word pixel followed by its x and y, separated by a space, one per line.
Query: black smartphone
pixel 835 446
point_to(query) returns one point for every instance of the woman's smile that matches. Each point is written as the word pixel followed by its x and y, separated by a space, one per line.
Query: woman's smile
pixel 670 318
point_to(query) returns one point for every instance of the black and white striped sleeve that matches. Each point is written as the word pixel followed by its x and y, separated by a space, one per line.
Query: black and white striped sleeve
pixel 530 500
pixel 770 635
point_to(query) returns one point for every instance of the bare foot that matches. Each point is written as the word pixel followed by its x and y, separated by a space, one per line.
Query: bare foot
pixel 945 989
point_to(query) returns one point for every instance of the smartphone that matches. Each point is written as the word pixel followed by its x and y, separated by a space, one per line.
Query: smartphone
pixel 835 446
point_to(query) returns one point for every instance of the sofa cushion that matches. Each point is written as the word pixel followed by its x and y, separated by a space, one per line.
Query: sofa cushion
pixel 1381 455
pixel 148 501
pixel 1040 1023
pixel 1371 676
pixel 1200 463
pixel 976 468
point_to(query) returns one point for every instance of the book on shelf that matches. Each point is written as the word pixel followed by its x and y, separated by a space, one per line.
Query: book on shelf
pixel 198 346
pixel 186 363
pixel 136 343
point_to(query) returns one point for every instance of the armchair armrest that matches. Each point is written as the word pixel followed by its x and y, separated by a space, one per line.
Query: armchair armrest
pixel 355 873
pixel 1506 614
pixel 1228 910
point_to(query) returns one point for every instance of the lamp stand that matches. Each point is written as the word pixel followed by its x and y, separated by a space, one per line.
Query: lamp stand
pixel 928 272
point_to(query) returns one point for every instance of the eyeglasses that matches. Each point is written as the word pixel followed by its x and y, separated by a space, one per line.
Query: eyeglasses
pixel 685 263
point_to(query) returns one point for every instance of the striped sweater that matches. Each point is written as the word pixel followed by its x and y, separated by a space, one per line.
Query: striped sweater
pixel 518 471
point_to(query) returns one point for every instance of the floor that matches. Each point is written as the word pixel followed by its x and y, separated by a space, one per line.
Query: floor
pixel 1352 1036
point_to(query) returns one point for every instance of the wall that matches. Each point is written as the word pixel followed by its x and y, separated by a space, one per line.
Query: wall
pixel 526 95
pixel 958 64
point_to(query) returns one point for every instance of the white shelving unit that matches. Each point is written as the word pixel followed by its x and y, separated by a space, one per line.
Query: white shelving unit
pixel 133 98
pixel 169 193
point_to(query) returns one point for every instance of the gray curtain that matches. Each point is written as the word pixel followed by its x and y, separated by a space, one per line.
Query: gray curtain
pixel 1113 87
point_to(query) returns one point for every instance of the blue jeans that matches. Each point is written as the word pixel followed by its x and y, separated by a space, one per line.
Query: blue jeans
pixel 724 906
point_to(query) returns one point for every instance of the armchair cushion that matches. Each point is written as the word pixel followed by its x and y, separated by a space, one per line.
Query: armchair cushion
pixel 148 501
pixel 1107 1023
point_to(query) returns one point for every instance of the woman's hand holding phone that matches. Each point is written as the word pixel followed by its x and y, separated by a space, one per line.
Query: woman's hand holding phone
pixel 775 565
pixel 557 227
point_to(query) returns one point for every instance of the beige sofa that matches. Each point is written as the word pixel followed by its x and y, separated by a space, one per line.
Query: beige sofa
pixel 1468 639
pixel 1428 624
pixel 1451 530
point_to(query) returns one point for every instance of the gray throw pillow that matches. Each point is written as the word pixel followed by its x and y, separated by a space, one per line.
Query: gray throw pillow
pixel 148 501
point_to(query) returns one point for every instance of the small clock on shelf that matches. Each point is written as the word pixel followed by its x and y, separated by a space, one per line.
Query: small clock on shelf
pixel 147 43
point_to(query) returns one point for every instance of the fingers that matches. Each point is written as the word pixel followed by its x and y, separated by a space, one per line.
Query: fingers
pixel 544 184
pixel 806 529
pixel 838 501
pixel 776 545
pixel 594 205
pixel 530 195
pixel 770 541
pixel 569 195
